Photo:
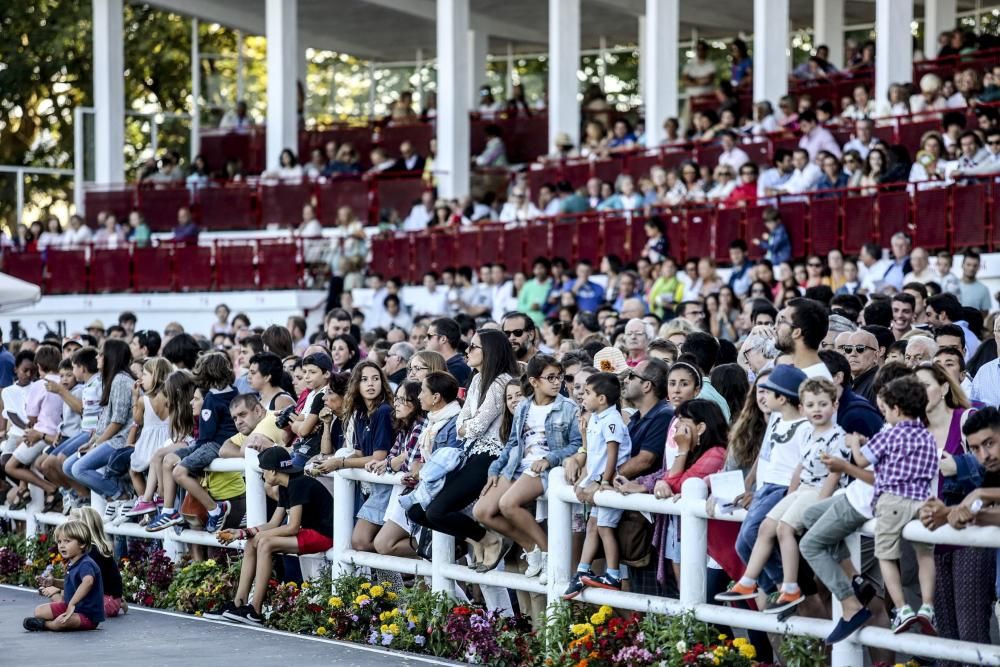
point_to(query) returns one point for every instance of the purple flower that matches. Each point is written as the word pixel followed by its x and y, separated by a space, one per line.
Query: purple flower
pixel 419 639
pixel 386 640
pixel 373 637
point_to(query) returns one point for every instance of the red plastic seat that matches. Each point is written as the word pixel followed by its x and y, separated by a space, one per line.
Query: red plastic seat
pixel 893 211
pixel 234 266
pixel 728 226
pixel 859 222
pixel 793 217
pixel 968 214
pixel 930 219
pixel 153 269
pixel 279 264
pixel 159 206
pixel 398 193
pixel 351 192
pixel 26 266
pixel 513 250
pixel 282 204
pixel 66 271
pixel 109 270
pixel 490 240
pixel 228 207
pixel 193 268
pixel 119 201
pixel 424 259
pixel 698 226
pixel 614 236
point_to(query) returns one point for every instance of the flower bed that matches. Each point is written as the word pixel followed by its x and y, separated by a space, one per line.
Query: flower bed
pixel 414 619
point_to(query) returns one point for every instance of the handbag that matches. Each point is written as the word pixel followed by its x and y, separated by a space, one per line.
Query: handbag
pixel 421 540
pixel 635 539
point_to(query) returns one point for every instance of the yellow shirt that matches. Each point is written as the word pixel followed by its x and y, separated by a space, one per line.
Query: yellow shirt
pixel 225 485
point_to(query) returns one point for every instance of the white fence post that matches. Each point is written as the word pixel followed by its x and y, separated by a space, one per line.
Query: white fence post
pixel 442 553
pixel 850 651
pixel 560 537
pixel 256 498
pixel 343 521
pixel 32 526
pixel 694 546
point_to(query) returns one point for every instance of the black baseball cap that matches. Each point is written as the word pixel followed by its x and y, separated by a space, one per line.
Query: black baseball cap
pixel 277 459
pixel 320 360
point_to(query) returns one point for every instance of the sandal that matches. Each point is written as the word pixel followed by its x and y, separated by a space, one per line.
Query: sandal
pixel 21 500
pixel 52 500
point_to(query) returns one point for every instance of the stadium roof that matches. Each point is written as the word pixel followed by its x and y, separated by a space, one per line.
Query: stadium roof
pixel 393 30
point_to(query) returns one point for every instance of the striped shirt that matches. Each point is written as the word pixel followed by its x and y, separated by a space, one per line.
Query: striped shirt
pixel 986 384
pixel 905 458
pixel 408 442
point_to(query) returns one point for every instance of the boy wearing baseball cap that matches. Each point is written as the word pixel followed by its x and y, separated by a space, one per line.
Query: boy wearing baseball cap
pixel 309 529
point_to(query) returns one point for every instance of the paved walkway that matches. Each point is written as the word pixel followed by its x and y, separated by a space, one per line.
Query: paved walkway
pixel 168 640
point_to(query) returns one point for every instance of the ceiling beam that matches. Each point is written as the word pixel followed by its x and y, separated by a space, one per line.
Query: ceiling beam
pixel 250 18
pixel 709 18
pixel 427 10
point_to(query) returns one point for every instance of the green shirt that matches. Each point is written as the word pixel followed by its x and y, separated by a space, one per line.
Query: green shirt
pixel 533 294
pixel 709 393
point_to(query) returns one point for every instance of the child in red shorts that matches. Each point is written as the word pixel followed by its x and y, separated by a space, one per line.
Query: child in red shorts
pixel 82 607
pixel 309 529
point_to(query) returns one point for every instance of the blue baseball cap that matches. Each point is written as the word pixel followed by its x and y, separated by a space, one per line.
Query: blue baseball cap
pixel 784 380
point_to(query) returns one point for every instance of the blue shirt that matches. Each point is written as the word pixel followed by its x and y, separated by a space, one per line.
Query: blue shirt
pixel 986 384
pixel 6 368
pixel 778 246
pixel 740 278
pixel 92 605
pixel 649 432
pixel 215 423
pixel 590 296
pixel 457 367
pixel 857 415
pixel 894 274
pixel 373 432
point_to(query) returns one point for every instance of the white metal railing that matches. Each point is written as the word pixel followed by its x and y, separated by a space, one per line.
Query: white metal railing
pixel 691 507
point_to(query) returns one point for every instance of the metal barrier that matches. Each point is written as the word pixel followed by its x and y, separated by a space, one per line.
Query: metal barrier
pixel 691 507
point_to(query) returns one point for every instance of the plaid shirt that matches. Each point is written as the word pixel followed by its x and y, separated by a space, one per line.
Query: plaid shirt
pixel 905 458
pixel 407 442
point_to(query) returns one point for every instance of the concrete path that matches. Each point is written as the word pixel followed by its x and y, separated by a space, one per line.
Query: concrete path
pixel 158 639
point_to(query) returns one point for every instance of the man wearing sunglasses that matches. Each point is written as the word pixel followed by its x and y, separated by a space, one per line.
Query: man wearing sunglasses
pixel 861 350
pixel 520 331
pixel 990 159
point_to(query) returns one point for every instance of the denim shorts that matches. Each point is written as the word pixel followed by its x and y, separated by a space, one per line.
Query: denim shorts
pixel 197 458
pixel 373 509
pixel 70 445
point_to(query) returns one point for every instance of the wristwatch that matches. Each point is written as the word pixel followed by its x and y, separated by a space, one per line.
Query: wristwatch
pixel 976 506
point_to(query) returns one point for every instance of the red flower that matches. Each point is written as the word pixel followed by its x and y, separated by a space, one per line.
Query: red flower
pixel 461 611
pixel 314 608
pixel 43 538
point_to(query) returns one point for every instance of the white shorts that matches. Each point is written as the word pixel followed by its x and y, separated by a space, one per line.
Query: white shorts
pixel 10 443
pixel 26 454
pixel 395 513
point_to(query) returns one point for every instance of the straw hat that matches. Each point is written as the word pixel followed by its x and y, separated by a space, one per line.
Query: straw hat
pixel 610 360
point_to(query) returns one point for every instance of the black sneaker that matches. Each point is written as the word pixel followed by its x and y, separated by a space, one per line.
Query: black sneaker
pixel 245 614
pixel 575 587
pixel 605 581
pixel 219 613
pixel 32 624
pixel 864 589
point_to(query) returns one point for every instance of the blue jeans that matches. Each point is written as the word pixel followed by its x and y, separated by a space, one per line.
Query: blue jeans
pixel 85 471
pixel 70 445
pixel 765 498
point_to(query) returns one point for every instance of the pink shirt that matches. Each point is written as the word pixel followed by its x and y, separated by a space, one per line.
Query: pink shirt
pixel 45 406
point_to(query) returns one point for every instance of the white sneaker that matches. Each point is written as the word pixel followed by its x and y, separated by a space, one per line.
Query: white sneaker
pixel 111 510
pixel 121 516
pixel 996 610
pixel 535 562
pixel 543 574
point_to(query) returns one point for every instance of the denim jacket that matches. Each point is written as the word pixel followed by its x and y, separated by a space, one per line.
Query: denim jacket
pixel 432 476
pixel 447 436
pixel 562 432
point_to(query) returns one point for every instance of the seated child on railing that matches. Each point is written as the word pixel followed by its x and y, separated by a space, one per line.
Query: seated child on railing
pixel 812 481
pixel 308 508
pixel 317 370
pixel 44 411
pixel 777 461
pixel 16 420
pixel 606 446
pixel 213 377
pixel 905 459
pixel 545 430
pixel 71 433
pixel 151 427
pixel 82 607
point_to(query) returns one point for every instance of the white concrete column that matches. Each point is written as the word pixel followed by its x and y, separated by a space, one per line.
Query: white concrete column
pixel 939 15
pixel 479 43
pixel 828 28
pixel 643 61
pixel 770 50
pixel 894 46
pixel 510 70
pixel 564 63
pixel 239 65
pixel 195 91
pixel 109 92
pixel 283 57
pixel 662 42
pixel 453 143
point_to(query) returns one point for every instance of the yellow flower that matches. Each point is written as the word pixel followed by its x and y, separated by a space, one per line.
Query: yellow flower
pixel 305 585
pixel 365 586
pixel 412 618
pixel 210 562
pixel 391 596
pixel 321 631
pixel 384 629
pixel 598 618
pixel 386 584
pixel 197 613
pixel 739 641
pixel 335 602
pixel 331 620
pixel 722 637
pixel 582 629
pixel 377 591
pixel 393 629
pixel 606 610
pixel 716 661
pixel 361 598
pixel 292 584
pixel 748 651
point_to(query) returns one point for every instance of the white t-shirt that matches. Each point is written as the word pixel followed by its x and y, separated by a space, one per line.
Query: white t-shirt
pixel 14 398
pixel 698 70
pixel 817 371
pixel 536 447
pixel 605 427
pixel 781 451
pixel 814 471
pixel 860 495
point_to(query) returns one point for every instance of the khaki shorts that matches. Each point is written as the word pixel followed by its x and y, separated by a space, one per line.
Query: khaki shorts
pixel 892 513
pixel 792 507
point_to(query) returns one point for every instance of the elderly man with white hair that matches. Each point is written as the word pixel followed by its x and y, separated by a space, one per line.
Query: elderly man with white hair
pixel 396 362
pixel 633 308
pixel 758 351
pixel 838 325
pixel 920 349
pixel 861 350
pixel 637 336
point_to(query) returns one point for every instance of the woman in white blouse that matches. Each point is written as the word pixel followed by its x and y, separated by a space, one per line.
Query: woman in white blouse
pixel 77 235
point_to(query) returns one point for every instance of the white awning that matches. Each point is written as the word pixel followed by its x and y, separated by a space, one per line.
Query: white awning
pixel 16 293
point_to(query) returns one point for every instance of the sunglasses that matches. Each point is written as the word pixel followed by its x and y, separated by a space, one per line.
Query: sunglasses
pixel 472 346
pixel 856 349
pixel 632 375
pixel 816 265
pixel 514 333
pixel 994 142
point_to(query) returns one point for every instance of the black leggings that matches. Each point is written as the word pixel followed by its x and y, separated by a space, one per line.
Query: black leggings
pixel 461 488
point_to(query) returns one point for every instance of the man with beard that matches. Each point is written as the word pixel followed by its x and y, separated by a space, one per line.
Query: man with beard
pixel 520 331
pixel 800 328
pixel 645 387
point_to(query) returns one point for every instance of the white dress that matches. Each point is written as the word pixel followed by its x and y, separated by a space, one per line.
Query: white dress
pixel 155 434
